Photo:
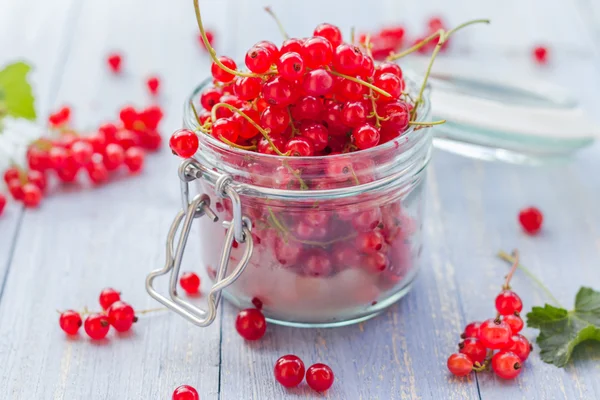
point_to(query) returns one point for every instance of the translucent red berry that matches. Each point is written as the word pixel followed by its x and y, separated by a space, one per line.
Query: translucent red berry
pixel 37 178
pixel 96 326
pixel 520 346
pixel 153 84
pixel 70 322
pixel 2 203
pixel 540 54
pixel 185 392
pixel 134 159
pixel 474 349
pixel 290 66
pixel 97 172
pixel 388 67
pixel 506 364
pixel 289 370
pixel 190 282
pixel 495 334
pixel 226 128
pixel 531 220
pixel 275 119
pixel 366 136
pixel 272 47
pixel 121 316
pixel 251 324
pixel 300 147
pixel 317 82
pixel 460 364
pixel 316 133
pixel 184 143
pixel 114 62
pixel 319 377
pixel 32 195
pixel 389 83
pixel 108 297
pixel 329 32
pixel 292 45
pixel 246 88
pixel 317 52
pixel 354 113
pixel 210 97
pixel 347 59
pixel 220 74
pixel 82 152
pixel 508 302
pixel 16 189
pixel 515 322
pixel 278 92
pixel 114 155
pixel 259 59
pixel 471 330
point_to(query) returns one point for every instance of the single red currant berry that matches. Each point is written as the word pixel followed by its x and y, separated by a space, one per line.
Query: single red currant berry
pixel 185 392
pixel 508 302
pixel 251 324
pixel 114 155
pixel 32 195
pixel 210 36
pixel 290 66
pixel 37 178
pixel 319 377
pixel 367 67
pixel 317 52
pixel 190 282
pixel 259 60
pixel 347 59
pixel 300 147
pixel 318 82
pixel 210 97
pixel 506 364
pixel 247 88
pixel 473 349
pixel 96 326
pixel 365 136
pixel 134 159
pixel 114 62
pixel 329 32
pixel 82 152
pixel 227 128
pixel 396 115
pixel 471 330
pixel 388 68
pixel 460 364
pixel 531 220
pixel 367 220
pixel 265 147
pixel 495 334
pixel 16 189
pixel 391 84
pixel 153 84
pixel 435 24
pixel 515 322
pixel 128 116
pixel 152 116
pixel 354 114
pixel 316 133
pixel 11 174
pixel 540 55
pixel 37 159
pixel 220 74
pixel 272 47
pixel 108 297
pixel 275 119
pixel 184 143
pixel 70 322
pixel 350 90
pixel 97 172
pixel 292 45
pixel 278 92
pixel 289 370
pixel 2 203
pixel 369 242
pixel 307 107
pixel 109 131
pixel 520 346
pixel 121 316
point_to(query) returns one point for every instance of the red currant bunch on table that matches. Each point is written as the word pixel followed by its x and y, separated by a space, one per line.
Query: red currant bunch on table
pixel 495 342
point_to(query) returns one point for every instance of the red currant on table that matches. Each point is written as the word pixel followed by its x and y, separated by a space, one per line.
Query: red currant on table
pixel 114 155
pixel 37 178
pixel 506 364
pixel 108 297
pixel 460 364
pixel 184 143
pixel 495 334
pixel 508 302
pixel 114 62
pixel 96 326
pixel 329 32
pixel 471 330
pixel 514 321
pixel 289 370
pixel 251 324
pixel 16 189
pixel 190 282
pixel 134 159
pixel 521 347
pixel 474 349
pixel 319 377
pixel 70 322
pixel 121 316
pixel 32 195
pixel 185 392
pixel 531 220
pixel 153 84
pixel 540 54
pixel 11 174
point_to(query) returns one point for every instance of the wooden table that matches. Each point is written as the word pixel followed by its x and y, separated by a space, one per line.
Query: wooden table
pixel 61 255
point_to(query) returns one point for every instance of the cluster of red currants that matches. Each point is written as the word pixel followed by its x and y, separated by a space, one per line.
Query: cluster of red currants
pixel 495 341
pixel 105 151
pixel 289 372
pixel 116 313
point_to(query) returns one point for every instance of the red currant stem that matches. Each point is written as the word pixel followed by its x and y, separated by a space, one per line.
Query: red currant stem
pixel 352 34
pixel 211 50
pixel 201 128
pixel 377 117
pixel 297 175
pixel 367 84
pixel 354 175
pixel 513 268
pixel 423 125
pixel 482 367
pixel 508 258
pixel 294 129
pixel 213 115
pixel 368 45
pixel 237 146
pixel 278 21
pixel 280 227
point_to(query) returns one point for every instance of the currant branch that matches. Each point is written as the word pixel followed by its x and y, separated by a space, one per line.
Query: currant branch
pixel 269 10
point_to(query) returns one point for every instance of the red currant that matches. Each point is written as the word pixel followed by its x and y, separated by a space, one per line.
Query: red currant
pixel 70 322
pixel 289 370
pixel 32 195
pixel 317 52
pixel 531 220
pixel 350 90
pixel 474 349
pixel 114 155
pixel 210 97
pixel 2 203
pixel 375 262
pixel 506 364
pixel 278 92
pixel 471 330
pixel 540 54
pixel 108 297
pixel 460 364
pixel 82 152
pixel 329 32
pixel 354 114
pixel 269 46
pixel 37 178
pixel 151 116
pixel 515 322
pixel 290 66
pixel 347 59
pixel 388 67
pixel 11 174
pixel 369 242
pixel 121 316
pixel 307 107
pixel 367 220
pixel 190 282
pixel 16 189
pixel 210 36
pixel 520 346
pixel 114 62
pixel 318 82
pixel 184 143
pixel 38 159
pixel 259 59
pixel 275 119
pixel 316 133
pixel 246 88
pixel 292 45
pixel 300 147
pixel 396 116
pixel 367 67
pixel 508 302
pixel 319 377
pixel 495 334
pixel 134 159
pixel 365 136
pixel 220 74
pixel 265 147
pixel 96 326
pixel 185 392
pixel 251 324
pixel 227 128
pixel 97 172
pixel 391 84
pixel 109 131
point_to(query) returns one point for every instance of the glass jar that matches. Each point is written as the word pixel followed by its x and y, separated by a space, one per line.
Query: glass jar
pixel 334 239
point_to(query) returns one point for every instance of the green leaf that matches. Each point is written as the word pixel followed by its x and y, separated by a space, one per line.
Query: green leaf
pixel 16 98
pixel 562 330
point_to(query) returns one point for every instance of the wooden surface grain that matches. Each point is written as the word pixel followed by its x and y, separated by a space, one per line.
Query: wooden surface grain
pixel 80 241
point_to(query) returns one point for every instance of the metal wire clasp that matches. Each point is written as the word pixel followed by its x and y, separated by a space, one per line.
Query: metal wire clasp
pixel 238 229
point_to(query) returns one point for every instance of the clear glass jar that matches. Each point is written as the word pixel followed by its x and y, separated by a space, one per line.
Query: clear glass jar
pixel 336 239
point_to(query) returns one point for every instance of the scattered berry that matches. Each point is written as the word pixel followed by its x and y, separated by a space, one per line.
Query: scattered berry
pixel 153 84
pixel 190 282
pixel 531 220
pixel 185 392
pixel 319 377
pixel 114 62
pixel 70 322
pixel 540 55
pixel 96 326
pixel 121 316
pixel 2 203
pixel 108 297
pixel 506 364
pixel 460 364
pixel 251 324
pixel 289 370
pixel 184 143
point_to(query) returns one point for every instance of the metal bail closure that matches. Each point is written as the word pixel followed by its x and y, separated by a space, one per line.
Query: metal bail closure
pixel 198 207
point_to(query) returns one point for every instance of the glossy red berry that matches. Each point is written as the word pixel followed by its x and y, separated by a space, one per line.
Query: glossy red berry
pixel 366 136
pixel 316 133
pixel 97 172
pixel 307 107
pixel 520 346
pixel 318 82
pixel 495 334
pixel 190 282
pixel 210 97
pixel 108 297
pixel 96 326
pixel 134 159
pixel 396 116
pixel 184 143
pixel 275 119
pixel 290 66
pixel 247 88
pixel 226 128
pixel 16 189
pixel 114 62
pixel 251 324
pixel 2 203
pixel 32 195
pixel 473 349
pixel 329 32
pixel 11 174
pixel 220 74
pixel 272 47
pixel 471 330
pixel 317 52
pixel 153 84
pixel 354 114
pixel 508 302
pixel 259 59
pixel 37 178
pixel 506 364
pixel 121 316
pixel 388 68
pixel 515 322
pixel 278 92
pixel 82 152
pixel 540 55
pixel 70 322
pixel 38 159
pixel 292 45
pixel 185 392
pixel 347 59
pixel 151 117
pixel 460 364
pixel 391 84
pixel 114 155
pixel 350 90
pixel 531 220
pixel 210 36
pixel 319 377
pixel 300 147
pixel 289 370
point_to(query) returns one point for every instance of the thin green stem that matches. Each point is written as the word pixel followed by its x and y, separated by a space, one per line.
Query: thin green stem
pixel 237 146
pixel 393 57
pixel 294 129
pixel 367 84
pixel 378 119
pixel 278 21
pixel 352 34
pixel 508 258
pixel 278 224
pixel 428 123
pixel 303 185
